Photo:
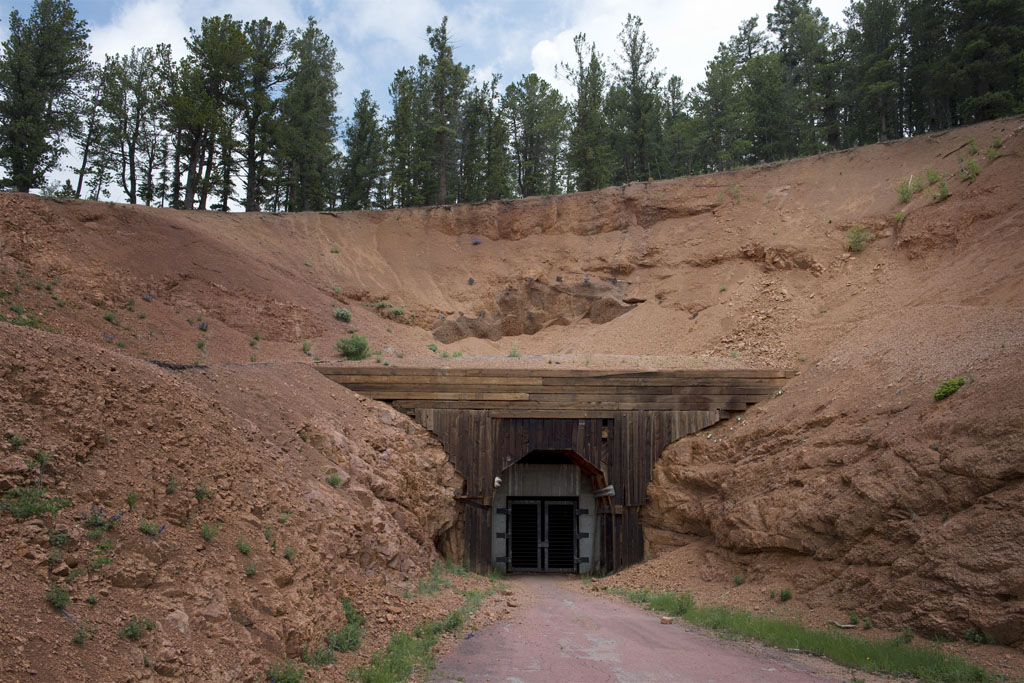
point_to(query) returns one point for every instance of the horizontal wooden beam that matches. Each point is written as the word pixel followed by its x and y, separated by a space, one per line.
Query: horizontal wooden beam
pixel 378 390
pixel 625 404
pixel 545 372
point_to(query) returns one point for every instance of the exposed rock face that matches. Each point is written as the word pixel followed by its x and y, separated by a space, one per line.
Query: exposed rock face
pixel 533 305
pixel 876 496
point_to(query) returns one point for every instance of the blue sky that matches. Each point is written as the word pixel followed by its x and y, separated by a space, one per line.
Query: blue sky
pixel 376 38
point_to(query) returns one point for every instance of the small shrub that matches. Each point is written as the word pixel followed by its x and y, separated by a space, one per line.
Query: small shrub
pixel 785 595
pixel 202 492
pixel 333 479
pixel 353 348
pixel 208 531
pixel 110 318
pixel 317 658
pixel 906 635
pixel 734 192
pixel 58 537
pixel 933 176
pixel 343 314
pixel 971 171
pixel 132 498
pixel 40 459
pixel 16 441
pixel 992 154
pixel 172 486
pixel 307 346
pixel 334 250
pixel 852 618
pixel 738 580
pixel 92 599
pixel 149 528
pixel 867 623
pixel 432 347
pixel 514 353
pixel 941 193
pixel 135 627
pixel 286 671
pixel 83 633
pixel 242 546
pixel 972 146
pixel 974 635
pixel 904 191
pixel 23 502
pixel 201 344
pixel 382 304
pixel 98 561
pixel 58 596
pixel 250 570
pixel 997 143
pixel 948 388
pixel 289 553
pixel 857 238
pixel 397 312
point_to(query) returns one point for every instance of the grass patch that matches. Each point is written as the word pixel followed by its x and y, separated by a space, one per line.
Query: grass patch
pixel 135 628
pixel 857 237
pixel 343 314
pixel 514 353
pixel 941 193
pixel 933 176
pixel 948 388
pixel 350 637
pixel 208 531
pixel 434 582
pixel 58 596
pixel 355 347
pixel 334 479
pixel 286 671
pixel 23 502
pixel 893 656
pixel 407 653
pixel 149 528
pixel 243 546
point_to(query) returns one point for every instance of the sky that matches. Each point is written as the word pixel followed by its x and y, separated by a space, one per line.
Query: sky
pixel 375 38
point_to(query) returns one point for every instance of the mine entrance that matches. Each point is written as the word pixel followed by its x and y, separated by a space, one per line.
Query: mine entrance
pixel 541 535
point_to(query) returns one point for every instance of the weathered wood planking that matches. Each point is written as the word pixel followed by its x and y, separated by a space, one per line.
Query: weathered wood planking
pixel 488 419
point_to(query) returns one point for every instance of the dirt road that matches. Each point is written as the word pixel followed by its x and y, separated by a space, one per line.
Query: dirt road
pixel 566 636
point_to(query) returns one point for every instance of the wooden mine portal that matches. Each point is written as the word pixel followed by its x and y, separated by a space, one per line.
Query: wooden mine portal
pixel 557 462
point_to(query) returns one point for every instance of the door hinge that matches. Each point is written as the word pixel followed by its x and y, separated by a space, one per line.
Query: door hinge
pixel 500 534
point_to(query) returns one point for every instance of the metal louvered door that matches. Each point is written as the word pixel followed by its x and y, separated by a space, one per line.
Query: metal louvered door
pixel 560 534
pixel 523 535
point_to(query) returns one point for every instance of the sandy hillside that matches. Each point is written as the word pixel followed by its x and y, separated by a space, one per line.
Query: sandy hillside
pixel 855 486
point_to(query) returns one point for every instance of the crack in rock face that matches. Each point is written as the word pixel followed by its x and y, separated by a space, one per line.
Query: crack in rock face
pixel 533 305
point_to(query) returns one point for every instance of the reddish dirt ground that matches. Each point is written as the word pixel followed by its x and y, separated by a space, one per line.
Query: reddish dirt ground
pixel 561 634
pixel 854 486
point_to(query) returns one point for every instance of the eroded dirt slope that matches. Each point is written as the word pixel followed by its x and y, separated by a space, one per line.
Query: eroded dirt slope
pixel 855 483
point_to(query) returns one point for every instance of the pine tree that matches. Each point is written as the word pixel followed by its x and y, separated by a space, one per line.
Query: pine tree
pixel 536 116
pixel 484 164
pixel 307 125
pixel 45 58
pixel 447 82
pixel 874 44
pixel 132 97
pixel 634 105
pixel 363 163
pixel 263 69
pixel 590 159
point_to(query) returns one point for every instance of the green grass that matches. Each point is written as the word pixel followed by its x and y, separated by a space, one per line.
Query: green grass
pixel 333 479
pixel 894 656
pixel 941 193
pixel 407 653
pixel 243 546
pixel 286 671
pixel 514 353
pixel 343 314
pixel 857 238
pixel 933 176
pixel 202 492
pixel 208 531
pixel 31 501
pixel 350 636
pixel 58 596
pixel 135 627
pixel 355 347
pixel 434 582
pixel 149 528
pixel 948 388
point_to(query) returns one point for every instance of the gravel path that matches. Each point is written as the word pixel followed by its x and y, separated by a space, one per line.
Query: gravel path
pixel 562 635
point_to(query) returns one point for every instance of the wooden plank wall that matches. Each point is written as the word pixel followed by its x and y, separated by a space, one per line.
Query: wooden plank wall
pixel 483 446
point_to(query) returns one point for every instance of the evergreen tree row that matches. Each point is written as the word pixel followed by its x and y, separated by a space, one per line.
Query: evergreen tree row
pixel 248 115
